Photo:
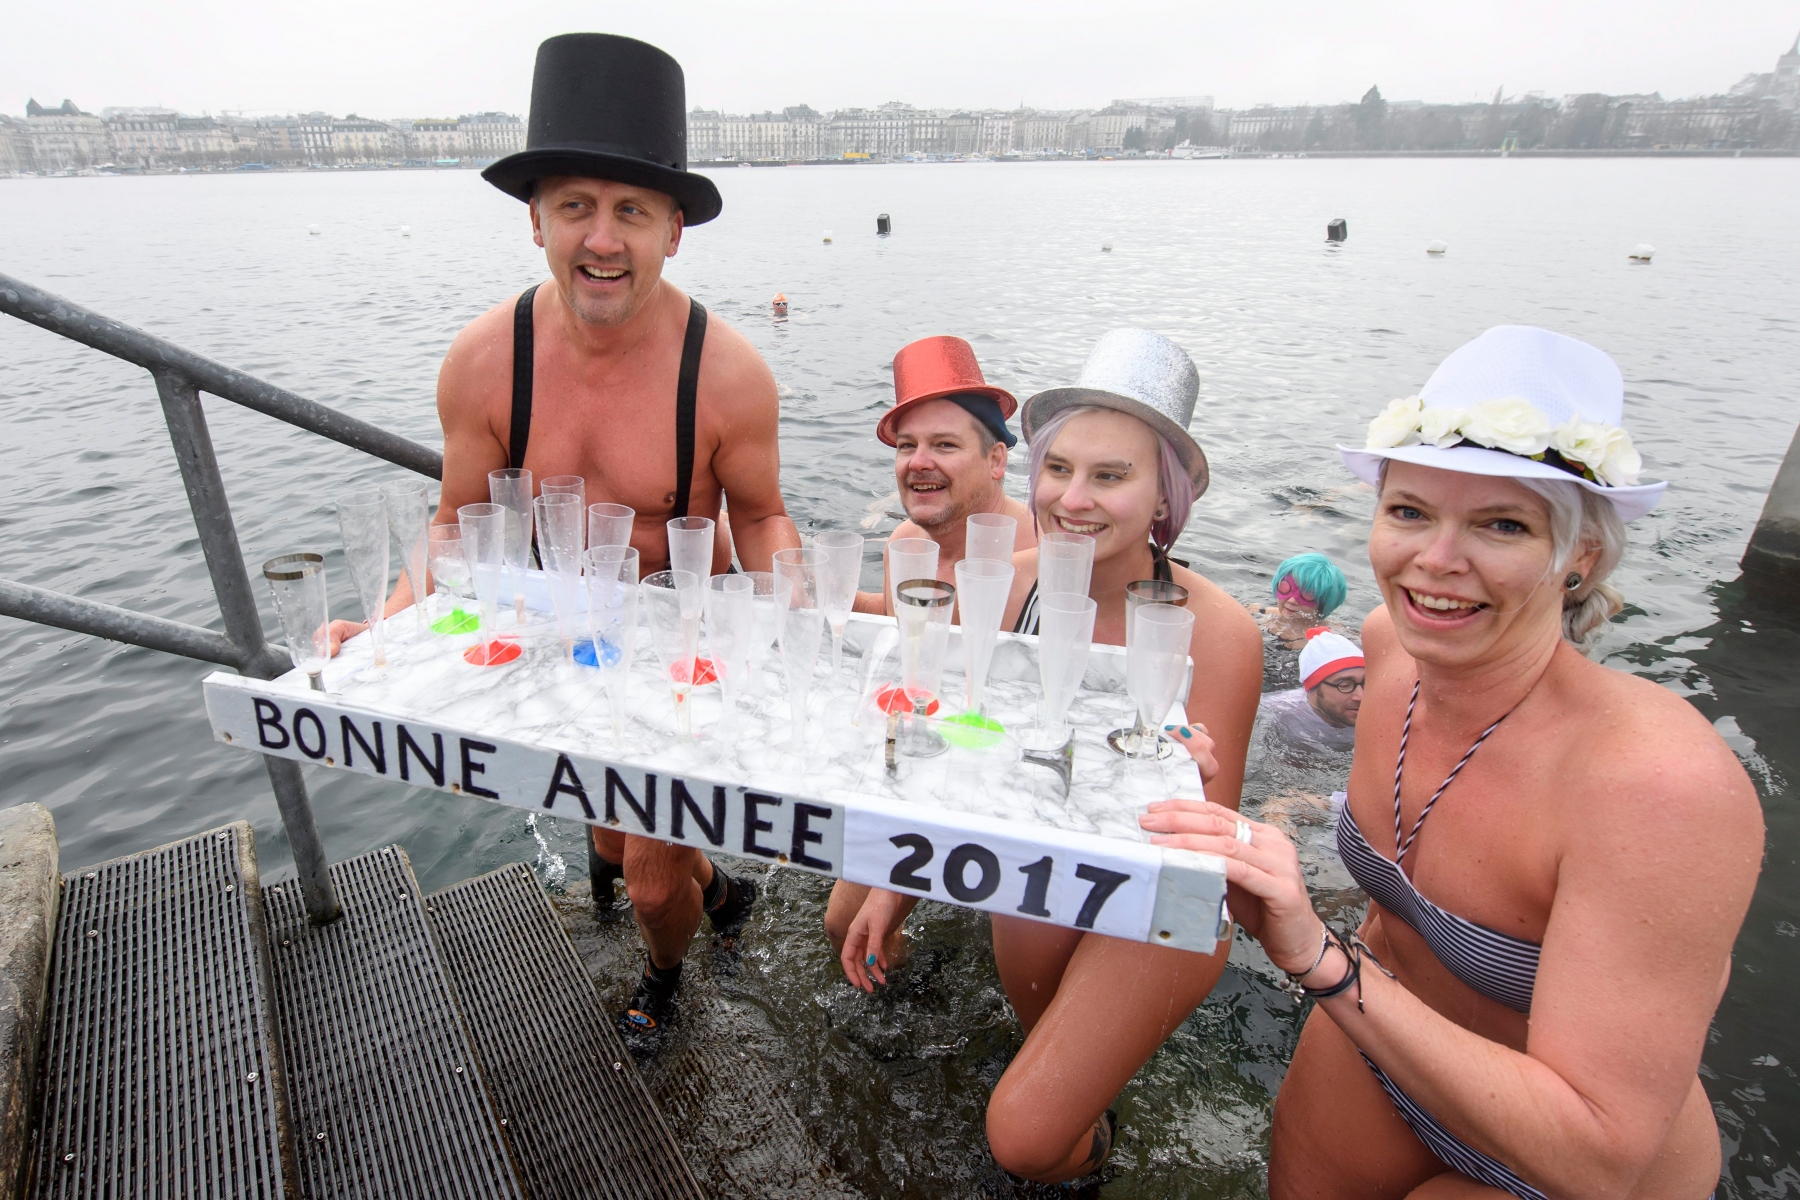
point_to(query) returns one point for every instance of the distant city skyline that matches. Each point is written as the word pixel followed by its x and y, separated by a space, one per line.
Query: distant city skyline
pixel 379 57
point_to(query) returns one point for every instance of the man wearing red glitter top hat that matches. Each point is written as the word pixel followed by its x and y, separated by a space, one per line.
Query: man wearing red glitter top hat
pixel 948 430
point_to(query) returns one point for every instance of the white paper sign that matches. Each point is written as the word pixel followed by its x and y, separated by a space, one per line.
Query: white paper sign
pixel 980 862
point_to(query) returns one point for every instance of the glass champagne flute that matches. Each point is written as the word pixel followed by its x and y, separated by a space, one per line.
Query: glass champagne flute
pixel 1155 665
pixel 1137 594
pixel 612 585
pixel 362 519
pixel 408 514
pixel 483 529
pixel 802 621
pixel 297 583
pixel 839 574
pixel 510 488
pixel 674 600
pixel 558 519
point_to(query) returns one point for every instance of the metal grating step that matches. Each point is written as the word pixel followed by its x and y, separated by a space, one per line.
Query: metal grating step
pixel 581 1123
pixel 386 1092
pixel 161 1075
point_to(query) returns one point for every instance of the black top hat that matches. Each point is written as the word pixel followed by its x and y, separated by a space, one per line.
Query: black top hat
pixel 608 107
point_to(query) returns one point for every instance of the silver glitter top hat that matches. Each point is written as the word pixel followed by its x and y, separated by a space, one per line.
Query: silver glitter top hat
pixel 1138 372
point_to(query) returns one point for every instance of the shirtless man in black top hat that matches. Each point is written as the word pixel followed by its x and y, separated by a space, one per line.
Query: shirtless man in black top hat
pixel 606 337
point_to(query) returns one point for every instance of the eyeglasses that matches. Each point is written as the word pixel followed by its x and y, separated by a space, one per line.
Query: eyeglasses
pixel 1287 589
pixel 1344 687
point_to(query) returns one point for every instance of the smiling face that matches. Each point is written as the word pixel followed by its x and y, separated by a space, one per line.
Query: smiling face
pixel 605 243
pixel 1099 478
pixel 1463 564
pixel 940 468
pixel 1295 602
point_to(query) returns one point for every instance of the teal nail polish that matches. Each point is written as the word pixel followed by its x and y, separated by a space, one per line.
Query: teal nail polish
pixel 1168 729
pixel 1186 732
pixel 871 960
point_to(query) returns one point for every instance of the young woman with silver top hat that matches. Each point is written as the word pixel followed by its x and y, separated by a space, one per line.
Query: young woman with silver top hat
pixel 1111 459
pixel 1522 1011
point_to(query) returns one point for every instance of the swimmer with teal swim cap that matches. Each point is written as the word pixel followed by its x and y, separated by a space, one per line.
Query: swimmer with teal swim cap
pixel 1307 587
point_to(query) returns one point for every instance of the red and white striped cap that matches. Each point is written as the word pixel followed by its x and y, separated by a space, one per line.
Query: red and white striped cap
pixel 1325 654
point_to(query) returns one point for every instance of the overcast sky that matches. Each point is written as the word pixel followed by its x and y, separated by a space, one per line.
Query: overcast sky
pixel 387 59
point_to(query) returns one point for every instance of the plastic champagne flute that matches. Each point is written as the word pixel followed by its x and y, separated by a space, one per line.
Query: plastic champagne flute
pixel 1065 563
pixel 730 626
pixel 612 590
pixel 483 529
pixel 510 488
pixel 909 558
pixel 923 617
pixel 802 622
pixel 839 574
pixel 362 519
pixel 558 517
pixel 609 525
pixel 1137 594
pixel 565 485
pixel 408 516
pixel 982 585
pixel 297 583
pixel 766 627
pixel 673 599
pixel 691 546
pixel 1155 665
pixel 449 579
pixel 990 535
pixel 1065 635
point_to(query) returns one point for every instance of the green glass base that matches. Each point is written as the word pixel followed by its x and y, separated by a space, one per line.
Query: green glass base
pixel 971 731
pixel 459 620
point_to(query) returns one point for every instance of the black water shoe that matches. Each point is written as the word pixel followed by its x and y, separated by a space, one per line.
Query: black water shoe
pixel 645 1021
pixel 728 900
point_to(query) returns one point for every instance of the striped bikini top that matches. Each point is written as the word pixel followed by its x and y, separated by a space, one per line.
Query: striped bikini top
pixel 1500 967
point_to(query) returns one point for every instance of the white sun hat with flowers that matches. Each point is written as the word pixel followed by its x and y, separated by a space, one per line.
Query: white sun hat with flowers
pixel 1522 403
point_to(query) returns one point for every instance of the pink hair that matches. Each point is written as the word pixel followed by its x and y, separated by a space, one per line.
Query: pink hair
pixel 1177 487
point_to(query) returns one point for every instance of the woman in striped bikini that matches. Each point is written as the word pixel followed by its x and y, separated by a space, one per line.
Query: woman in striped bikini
pixel 1523 1009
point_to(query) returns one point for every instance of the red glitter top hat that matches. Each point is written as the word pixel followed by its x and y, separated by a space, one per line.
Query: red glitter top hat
pixel 936 367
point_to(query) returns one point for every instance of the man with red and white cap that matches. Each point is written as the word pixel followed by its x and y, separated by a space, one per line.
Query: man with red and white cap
pixel 948 430
pixel 1322 710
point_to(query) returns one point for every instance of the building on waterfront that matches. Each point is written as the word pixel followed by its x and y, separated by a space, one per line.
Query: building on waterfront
pixel 15 147
pixel 491 135
pixel 65 138
pixel 432 139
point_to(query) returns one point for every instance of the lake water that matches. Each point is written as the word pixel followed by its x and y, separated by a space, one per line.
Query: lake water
pixel 1297 342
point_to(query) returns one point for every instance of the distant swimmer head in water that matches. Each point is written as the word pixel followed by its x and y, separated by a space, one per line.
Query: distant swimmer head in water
pixel 1111 455
pixel 948 430
pixel 1332 672
pixel 606 218
pixel 1504 488
pixel 1308 584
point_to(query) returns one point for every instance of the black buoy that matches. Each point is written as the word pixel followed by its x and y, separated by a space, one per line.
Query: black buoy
pixel 1337 231
pixel 883 226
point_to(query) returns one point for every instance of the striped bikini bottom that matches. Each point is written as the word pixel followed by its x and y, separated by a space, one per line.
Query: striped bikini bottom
pixel 1451 1150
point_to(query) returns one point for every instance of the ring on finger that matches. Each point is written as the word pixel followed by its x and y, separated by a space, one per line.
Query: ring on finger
pixel 1243 831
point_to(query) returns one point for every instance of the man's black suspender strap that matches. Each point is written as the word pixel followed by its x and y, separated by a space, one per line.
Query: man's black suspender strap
pixel 521 398
pixel 687 390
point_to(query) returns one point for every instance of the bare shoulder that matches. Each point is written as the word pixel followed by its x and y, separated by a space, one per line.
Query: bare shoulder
pixel 480 357
pixel 1649 754
pixel 1223 619
pixel 905 529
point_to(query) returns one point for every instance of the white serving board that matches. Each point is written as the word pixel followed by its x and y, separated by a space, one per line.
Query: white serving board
pixel 977 828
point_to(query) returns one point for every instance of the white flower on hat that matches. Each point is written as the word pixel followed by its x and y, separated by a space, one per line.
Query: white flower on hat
pixel 1441 427
pixel 1512 424
pixel 1397 424
pixel 1605 450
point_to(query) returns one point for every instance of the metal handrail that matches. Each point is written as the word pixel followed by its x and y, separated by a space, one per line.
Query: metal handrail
pixel 180 377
